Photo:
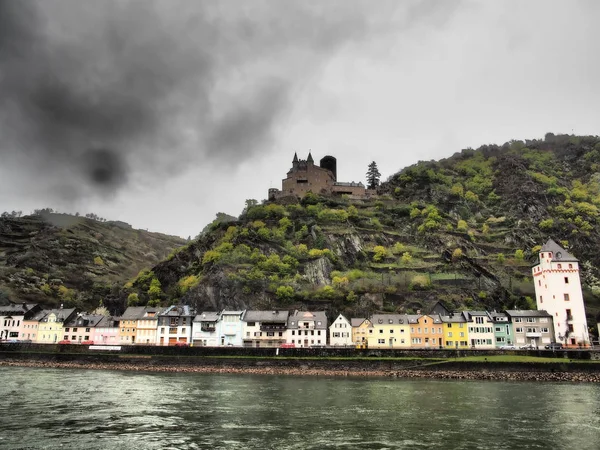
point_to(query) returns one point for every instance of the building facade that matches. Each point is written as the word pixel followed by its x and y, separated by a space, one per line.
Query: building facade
pixel 389 331
pixel 340 332
pixel 305 176
pixel 307 329
pixel 51 326
pixel 532 328
pixel 558 291
pixel 427 332
pixel 204 329
pixel 481 330
pixel 230 328
pixel 81 328
pixel 264 328
pixel 503 330
pixel 360 331
pixel 456 334
pixel 12 320
pixel 174 325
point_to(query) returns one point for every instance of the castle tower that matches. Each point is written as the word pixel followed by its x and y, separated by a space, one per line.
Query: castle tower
pixel 558 291
pixel 310 159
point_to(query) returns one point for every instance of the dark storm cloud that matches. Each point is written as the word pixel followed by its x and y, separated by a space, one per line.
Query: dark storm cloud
pixel 92 91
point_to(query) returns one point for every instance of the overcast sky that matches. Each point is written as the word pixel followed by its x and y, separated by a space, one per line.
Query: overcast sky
pixel 163 113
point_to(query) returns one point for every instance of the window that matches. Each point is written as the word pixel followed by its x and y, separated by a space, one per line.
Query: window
pixel 462 334
pixel 478 319
pixel 560 266
pixel 449 333
pixel 544 330
pixel 74 330
pixel 380 331
pixel 530 320
pixel 66 329
pixel 567 297
pixel 391 331
pixel 449 343
pixel 570 266
pixel 449 325
pixel 426 330
pixel 566 280
pixel 518 330
pixel 543 320
pixel 498 329
pixel 541 299
pixel 518 320
pixel 539 282
pixel 336 335
pixel 251 324
pixel 293 332
pixel 381 341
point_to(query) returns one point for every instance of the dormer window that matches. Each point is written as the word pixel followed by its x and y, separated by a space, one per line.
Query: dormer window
pixel 559 266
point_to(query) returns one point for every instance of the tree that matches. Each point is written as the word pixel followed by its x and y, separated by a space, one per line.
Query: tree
pixel 373 176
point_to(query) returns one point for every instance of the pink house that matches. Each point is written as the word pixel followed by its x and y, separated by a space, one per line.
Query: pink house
pixel 106 332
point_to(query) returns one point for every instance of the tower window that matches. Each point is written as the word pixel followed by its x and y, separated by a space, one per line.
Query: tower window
pixel 567 297
pixel 566 280
pixel 560 266
pixel 541 300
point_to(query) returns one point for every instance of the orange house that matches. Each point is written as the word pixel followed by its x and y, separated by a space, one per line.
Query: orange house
pixel 427 332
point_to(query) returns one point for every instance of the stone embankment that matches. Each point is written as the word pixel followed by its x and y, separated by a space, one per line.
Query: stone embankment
pixel 467 373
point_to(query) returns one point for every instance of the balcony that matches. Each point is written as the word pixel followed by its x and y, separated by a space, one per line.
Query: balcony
pixel 208 328
pixel 308 327
pixel 273 327
pixel 533 335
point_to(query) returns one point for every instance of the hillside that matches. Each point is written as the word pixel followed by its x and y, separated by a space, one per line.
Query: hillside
pixel 61 259
pixel 463 231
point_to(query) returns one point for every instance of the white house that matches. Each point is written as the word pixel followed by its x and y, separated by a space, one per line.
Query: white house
pixel 307 329
pixel 175 325
pixel 204 329
pixel 12 317
pixel 481 329
pixel 558 291
pixel 264 328
pixel 229 328
pixel 340 332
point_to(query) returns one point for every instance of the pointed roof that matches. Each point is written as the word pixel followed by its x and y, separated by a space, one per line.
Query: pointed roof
pixel 558 253
pixel 310 158
pixel 295 157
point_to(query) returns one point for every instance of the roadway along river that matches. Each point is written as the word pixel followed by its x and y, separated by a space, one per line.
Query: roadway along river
pixel 92 409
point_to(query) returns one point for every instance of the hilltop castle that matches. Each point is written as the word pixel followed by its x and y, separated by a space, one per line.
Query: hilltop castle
pixel 305 176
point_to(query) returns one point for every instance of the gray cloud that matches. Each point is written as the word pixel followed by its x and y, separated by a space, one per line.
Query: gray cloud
pixel 91 91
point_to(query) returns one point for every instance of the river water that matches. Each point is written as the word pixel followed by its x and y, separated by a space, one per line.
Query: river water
pixel 92 409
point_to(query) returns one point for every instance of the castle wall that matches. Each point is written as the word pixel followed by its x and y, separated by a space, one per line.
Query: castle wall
pixel 307 177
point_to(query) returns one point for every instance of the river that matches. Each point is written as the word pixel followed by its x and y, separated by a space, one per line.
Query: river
pixel 92 409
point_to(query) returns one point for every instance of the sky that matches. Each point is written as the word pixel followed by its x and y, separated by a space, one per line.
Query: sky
pixel 163 113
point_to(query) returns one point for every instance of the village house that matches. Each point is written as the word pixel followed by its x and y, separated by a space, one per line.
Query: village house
pixel 204 329
pixel 128 324
pixel 51 326
pixel 230 328
pixel 360 331
pixel 503 330
pixel 340 332
pixel 147 326
pixel 558 291
pixel 427 332
pixel 106 332
pixel 81 328
pixel 264 328
pixel 12 318
pixel 31 326
pixel 481 329
pixel 307 329
pixel 455 331
pixel 389 331
pixel 531 328
pixel 174 326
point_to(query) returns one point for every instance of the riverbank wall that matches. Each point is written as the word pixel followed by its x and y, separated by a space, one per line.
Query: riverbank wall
pixel 362 367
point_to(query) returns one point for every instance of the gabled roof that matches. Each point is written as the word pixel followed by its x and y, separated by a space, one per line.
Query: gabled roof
pixel 302 316
pixel 207 316
pixel 558 253
pixel 527 313
pixel 132 313
pixel 61 314
pixel 391 319
pixel 16 309
pixel 84 320
pixel 495 316
pixel 453 318
pixel 177 311
pixel 357 321
pixel 343 318
pixel 266 316
pixel 107 322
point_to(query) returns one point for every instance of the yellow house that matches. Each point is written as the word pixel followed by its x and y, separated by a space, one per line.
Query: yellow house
pixel 360 331
pixel 456 334
pixel 50 328
pixel 389 331
pixel 147 325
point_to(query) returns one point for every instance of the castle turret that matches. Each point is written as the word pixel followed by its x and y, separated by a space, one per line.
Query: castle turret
pixel 310 159
pixel 558 291
pixel 329 163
